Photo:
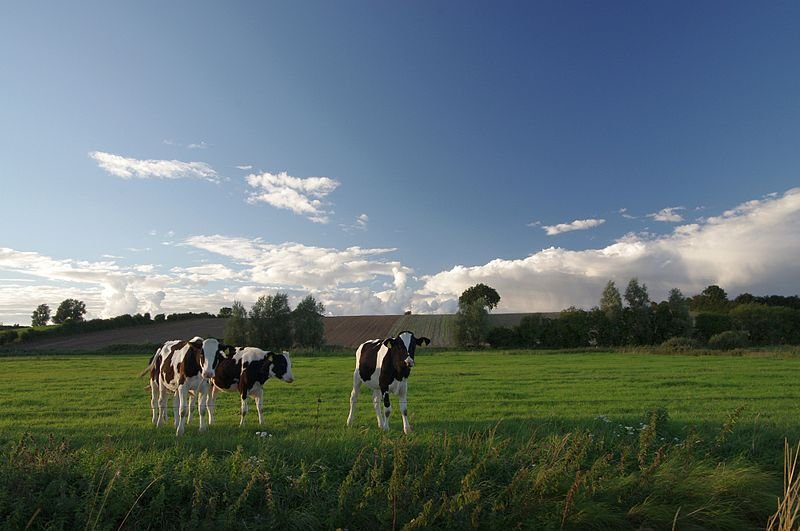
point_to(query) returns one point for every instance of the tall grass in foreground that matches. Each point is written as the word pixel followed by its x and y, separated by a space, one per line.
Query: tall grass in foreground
pixel 789 505
pixel 475 479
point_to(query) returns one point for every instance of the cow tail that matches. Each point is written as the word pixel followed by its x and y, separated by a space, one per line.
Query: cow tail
pixel 150 364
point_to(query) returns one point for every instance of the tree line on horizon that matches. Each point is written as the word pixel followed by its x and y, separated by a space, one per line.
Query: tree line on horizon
pixel 709 319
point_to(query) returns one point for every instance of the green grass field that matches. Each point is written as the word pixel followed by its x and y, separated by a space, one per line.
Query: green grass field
pixel 501 440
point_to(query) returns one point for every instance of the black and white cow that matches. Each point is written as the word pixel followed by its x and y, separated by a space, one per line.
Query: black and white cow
pixel 246 370
pixel 180 368
pixel 384 366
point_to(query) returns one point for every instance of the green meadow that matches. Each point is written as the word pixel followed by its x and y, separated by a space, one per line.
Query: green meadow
pixel 502 440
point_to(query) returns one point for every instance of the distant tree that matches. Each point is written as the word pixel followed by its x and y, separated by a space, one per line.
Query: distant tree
pixel 472 322
pixel 69 310
pixel 225 312
pixel 680 320
pixel 40 315
pixel 159 318
pixel 611 302
pixel 636 295
pixel 708 324
pixel 745 298
pixel 767 325
pixel 637 316
pixel 236 325
pixel 662 322
pixel 271 322
pixel 480 291
pixel 531 330
pixel 575 328
pixel 503 337
pixel 141 319
pixel 792 301
pixel 611 305
pixel 711 299
pixel 308 323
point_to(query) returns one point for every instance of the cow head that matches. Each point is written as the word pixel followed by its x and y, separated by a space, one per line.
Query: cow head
pixel 280 366
pixel 404 346
pixel 211 356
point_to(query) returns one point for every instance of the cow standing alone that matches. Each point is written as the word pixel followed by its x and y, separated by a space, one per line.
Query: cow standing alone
pixel 246 370
pixel 384 366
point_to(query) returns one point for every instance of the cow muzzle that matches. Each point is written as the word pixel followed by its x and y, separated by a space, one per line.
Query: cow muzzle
pixel 208 373
pixel 410 361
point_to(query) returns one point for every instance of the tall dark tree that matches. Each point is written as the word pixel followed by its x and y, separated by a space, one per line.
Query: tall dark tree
pixel 636 295
pixel 225 312
pixel 611 307
pixel 69 310
pixel 40 315
pixel 681 319
pixel 637 316
pixel 480 291
pixel 271 322
pixel 611 302
pixel 711 299
pixel 236 325
pixel 308 323
pixel 472 322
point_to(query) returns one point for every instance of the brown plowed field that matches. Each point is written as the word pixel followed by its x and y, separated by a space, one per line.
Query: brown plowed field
pixel 440 329
pixel 344 331
pixel 135 335
pixel 351 331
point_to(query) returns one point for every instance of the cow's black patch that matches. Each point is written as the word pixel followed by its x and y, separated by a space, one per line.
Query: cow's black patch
pixel 279 365
pixel 227 373
pixel 368 360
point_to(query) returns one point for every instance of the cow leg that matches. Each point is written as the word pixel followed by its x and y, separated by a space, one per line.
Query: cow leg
pixel 212 400
pixel 183 401
pixel 402 395
pixel 387 409
pixel 189 407
pixel 376 403
pixel 176 405
pixel 258 396
pixel 163 396
pixel 354 397
pixel 154 401
pixel 243 410
pixel 202 404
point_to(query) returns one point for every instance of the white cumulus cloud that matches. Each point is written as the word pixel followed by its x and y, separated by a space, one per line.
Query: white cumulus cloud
pixel 578 224
pixel 130 168
pixel 669 215
pixel 302 196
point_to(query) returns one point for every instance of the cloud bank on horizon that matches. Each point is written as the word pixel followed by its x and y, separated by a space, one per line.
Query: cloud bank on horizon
pixel 752 247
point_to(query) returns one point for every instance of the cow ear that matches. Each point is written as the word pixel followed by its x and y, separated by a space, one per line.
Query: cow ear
pixel 269 356
pixel 388 341
pixel 421 340
pixel 231 350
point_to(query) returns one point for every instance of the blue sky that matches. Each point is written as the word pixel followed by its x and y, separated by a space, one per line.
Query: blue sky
pixel 178 156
